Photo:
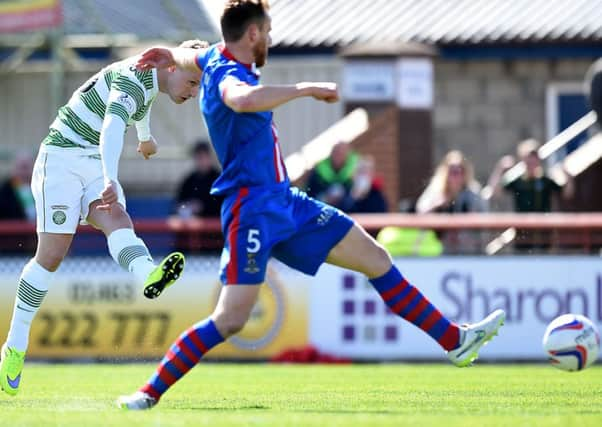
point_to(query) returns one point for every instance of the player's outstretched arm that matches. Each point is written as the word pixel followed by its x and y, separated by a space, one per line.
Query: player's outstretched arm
pixel 164 57
pixel 110 146
pixel 247 99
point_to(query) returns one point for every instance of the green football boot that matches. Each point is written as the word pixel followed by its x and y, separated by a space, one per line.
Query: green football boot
pixel 164 275
pixel 11 366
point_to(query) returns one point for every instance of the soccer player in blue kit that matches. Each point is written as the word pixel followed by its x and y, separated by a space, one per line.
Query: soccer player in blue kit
pixel 263 216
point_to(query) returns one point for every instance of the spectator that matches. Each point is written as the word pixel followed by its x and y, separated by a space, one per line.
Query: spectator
pixel 366 191
pixel 16 199
pixel 331 180
pixel 453 189
pixel 533 190
pixel 17 203
pixel 193 198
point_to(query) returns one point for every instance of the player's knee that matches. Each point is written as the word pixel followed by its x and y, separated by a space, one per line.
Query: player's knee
pixel 380 261
pixel 229 324
pixel 109 221
pixel 50 259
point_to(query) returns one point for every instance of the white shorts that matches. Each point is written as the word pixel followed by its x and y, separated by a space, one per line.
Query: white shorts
pixel 63 186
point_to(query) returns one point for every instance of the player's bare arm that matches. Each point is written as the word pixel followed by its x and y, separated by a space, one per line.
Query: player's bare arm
pixel 247 99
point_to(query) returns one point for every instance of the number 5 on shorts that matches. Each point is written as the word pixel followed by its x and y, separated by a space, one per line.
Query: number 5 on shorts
pixel 253 241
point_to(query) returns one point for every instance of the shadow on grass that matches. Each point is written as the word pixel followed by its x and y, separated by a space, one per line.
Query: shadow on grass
pixel 292 411
pixel 221 408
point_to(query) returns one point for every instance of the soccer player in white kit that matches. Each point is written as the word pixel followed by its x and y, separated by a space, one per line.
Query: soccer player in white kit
pixel 75 178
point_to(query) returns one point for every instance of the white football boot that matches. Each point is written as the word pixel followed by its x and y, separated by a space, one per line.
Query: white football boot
pixel 474 336
pixel 138 401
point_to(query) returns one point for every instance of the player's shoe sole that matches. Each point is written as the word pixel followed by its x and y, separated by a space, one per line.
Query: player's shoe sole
pixel 164 275
pixel 11 367
pixel 138 401
pixel 474 337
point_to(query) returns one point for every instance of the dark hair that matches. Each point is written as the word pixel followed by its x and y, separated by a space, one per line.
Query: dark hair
pixel 201 146
pixel 239 14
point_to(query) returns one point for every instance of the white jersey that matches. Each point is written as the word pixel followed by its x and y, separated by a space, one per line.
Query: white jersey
pixel 117 89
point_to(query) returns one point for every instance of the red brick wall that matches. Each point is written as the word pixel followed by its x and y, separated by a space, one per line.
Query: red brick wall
pixel 381 141
pixel 401 144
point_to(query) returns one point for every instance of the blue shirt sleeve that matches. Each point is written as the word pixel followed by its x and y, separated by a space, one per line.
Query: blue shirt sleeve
pixel 202 58
pixel 230 76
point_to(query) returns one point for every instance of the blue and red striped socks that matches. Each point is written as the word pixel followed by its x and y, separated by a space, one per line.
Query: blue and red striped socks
pixel 183 355
pixel 406 301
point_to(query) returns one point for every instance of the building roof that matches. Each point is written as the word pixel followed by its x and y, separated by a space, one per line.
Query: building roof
pixel 336 23
pixel 166 19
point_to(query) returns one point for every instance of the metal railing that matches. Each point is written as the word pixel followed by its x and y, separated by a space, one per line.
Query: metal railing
pixel 552 233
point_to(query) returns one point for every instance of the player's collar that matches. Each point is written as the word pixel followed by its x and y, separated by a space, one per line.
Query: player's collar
pixel 227 54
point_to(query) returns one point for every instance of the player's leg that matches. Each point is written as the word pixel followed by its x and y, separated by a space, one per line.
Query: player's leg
pixel 127 249
pixel 33 286
pixel 358 251
pixel 230 315
pixel 243 266
pixel 57 207
pixel 327 235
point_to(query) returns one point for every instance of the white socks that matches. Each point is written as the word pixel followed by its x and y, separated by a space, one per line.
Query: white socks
pixel 31 291
pixel 131 253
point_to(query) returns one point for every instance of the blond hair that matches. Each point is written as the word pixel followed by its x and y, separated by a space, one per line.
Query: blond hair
pixel 527 147
pixel 194 44
pixel 455 157
pixel 437 188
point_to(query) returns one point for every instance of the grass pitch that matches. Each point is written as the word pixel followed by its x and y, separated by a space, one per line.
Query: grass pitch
pixel 324 396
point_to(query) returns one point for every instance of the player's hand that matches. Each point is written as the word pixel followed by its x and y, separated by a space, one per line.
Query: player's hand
pixel 108 197
pixel 325 91
pixel 156 57
pixel 147 148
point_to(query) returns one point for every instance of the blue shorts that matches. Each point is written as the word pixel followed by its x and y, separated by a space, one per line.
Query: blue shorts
pixel 282 222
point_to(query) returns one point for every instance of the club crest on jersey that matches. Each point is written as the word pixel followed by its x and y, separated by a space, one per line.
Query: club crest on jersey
pixel 251 267
pixel 129 104
pixel 59 217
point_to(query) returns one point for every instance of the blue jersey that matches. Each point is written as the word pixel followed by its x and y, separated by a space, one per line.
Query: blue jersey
pixel 246 143
pixel 261 215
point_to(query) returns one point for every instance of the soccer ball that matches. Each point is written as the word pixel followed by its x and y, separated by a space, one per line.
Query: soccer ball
pixel 571 342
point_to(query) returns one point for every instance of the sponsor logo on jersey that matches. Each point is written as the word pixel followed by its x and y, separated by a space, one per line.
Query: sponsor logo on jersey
pixel 127 101
pixel 325 215
pixel 59 207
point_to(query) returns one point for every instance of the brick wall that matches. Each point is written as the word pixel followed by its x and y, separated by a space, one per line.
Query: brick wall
pixel 381 141
pixel 400 143
pixel 485 107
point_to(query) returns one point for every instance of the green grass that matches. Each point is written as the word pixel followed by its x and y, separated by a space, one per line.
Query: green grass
pixel 322 396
